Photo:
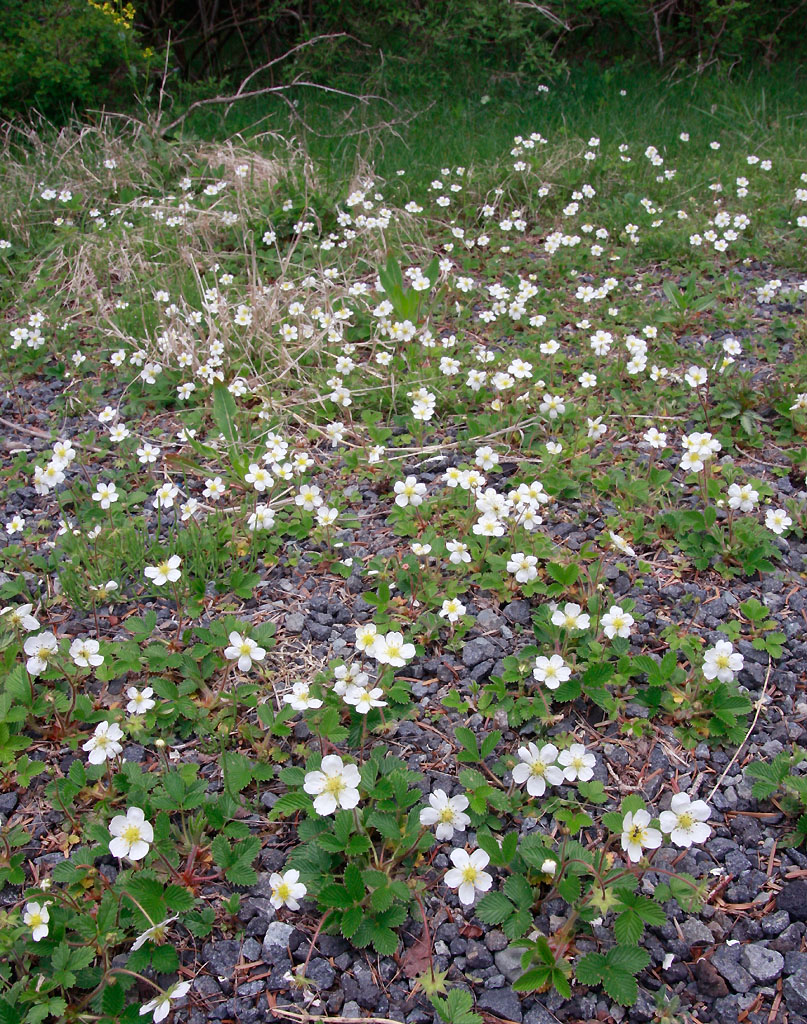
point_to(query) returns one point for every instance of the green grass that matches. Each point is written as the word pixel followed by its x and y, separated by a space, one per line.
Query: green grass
pixel 764 108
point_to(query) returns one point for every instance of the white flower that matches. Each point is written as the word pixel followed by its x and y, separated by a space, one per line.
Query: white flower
pixel 446 813
pixel 19 617
pixel 140 701
pixel 452 609
pixel 36 916
pixel 409 492
pixel 40 649
pixel 105 742
pixel 621 544
pixel 616 622
pixel 537 767
pixel 335 785
pixel 458 552
pixel 85 653
pixel 551 671
pixel 391 650
pixel 156 933
pixel 259 477
pixel 165 572
pixel 105 494
pixel 524 567
pixel 245 649
pixel 777 520
pixel 743 497
pixel 685 822
pixel 468 875
pixel 696 376
pixel 131 834
pixel 571 617
pixel 637 834
pixel 161 1004
pixel 363 699
pixel 300 697
pixel 366 637
pixel 577 763
pixel 722 662
pixel 287 889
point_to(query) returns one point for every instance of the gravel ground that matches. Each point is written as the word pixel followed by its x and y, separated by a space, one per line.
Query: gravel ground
pixel 742 958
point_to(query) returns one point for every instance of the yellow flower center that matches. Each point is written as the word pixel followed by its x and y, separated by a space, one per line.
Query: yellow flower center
pixel 283 891
pixel 685 820
pixel 446 814
pixel 334 784
pixel 635 834
pixel 131 834
pixel 469 873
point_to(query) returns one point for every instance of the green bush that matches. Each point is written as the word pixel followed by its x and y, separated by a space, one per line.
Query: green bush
pixel 59 54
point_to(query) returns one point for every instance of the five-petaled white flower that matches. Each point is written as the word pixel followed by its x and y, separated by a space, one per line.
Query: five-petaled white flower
pixel 551 671
pixel 36 916
pixel 390 649
pixel 20 617
pixel 131 834
pixel 578 764
pixel 685 822
pixel 409 492
pixel 156 933
pixel 468 874
pixel 85 653
pixel 40 650
pixel 722 662
pixel 571 616
pixel 165 572
pixel 524 567
pixel 446 812
pixel 537 768
pixel 335 785
pixel 245 649
pixel 452 609
pixel 300 697
pixel 616 622
pixel 363 700
pixel 777 520
pixel 287 889
pixel 105 743
pixel 140 701
pixel 637 834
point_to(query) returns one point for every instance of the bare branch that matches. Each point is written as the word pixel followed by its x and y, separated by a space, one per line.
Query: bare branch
pixel 267 90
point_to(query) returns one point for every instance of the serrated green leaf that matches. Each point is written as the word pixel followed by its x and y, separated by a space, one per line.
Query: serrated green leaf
pixel 494 908
pixel 290 803
pixel 351 919
pixel 628 927
pixel 590 969
pixel 620 986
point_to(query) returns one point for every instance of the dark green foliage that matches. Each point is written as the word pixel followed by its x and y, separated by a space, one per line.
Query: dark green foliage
pixel 60 54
